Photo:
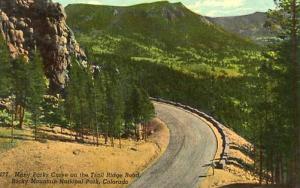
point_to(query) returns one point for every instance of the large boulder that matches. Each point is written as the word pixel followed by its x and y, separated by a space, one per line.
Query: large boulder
pixel 40 24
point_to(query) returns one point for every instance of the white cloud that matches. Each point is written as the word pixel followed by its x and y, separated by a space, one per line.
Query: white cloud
pixel 222 3
pixel 65 2
pixel 195 6
pixel 215 8
pixel 211 7
pixel 216 13
pixel 215 4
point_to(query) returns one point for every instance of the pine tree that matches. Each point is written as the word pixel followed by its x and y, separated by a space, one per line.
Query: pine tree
pixel 72 103
pixel 6 78
pixel 36 89
pixel 98 103
pixel 140 109
pixel 5 69
pixel 147 111
pixel 53 111
pixel 79 100
pixel 287 17
pixel 20 81
pixel 114 102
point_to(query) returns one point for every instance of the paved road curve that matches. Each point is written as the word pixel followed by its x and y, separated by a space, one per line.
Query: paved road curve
pixel 192 146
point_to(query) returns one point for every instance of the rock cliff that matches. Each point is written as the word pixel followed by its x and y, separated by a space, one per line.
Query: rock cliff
pixel 40 24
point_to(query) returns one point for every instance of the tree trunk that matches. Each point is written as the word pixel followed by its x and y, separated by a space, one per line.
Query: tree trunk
pixel 272 167
pixel 17 111
pixel 260 166
pixel 35 128
pixel 94 138
pixel 97 135
pixel 255 157
pixel 145 131
pixel 12 127
pixel 136 133
pixel 260 156
pixel 281 170
pixel 277 174
pixel 296 93
pixel 112 141
pixel 106 137
pixel 120 144
pixel 21 116
pixel 76 135
pixel 82 134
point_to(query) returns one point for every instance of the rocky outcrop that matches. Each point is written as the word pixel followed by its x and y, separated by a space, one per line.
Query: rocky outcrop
pixel 28 25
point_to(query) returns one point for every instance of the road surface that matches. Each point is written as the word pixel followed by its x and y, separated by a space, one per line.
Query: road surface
pixel 185 162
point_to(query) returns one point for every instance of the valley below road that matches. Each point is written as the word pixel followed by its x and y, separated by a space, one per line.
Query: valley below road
pixel 191 149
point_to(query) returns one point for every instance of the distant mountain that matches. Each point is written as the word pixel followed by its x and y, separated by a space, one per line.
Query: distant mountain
pixel 163 33
pixel 170 23
pixel 251 25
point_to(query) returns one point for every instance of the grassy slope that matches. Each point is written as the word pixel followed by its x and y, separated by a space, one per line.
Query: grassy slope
pixel 5 139
pixel 71 157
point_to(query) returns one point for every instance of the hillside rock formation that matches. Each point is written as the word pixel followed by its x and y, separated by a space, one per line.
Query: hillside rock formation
pixel 40 24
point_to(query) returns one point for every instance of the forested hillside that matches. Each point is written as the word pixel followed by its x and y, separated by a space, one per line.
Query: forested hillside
pixel 178 55
pixel 191 60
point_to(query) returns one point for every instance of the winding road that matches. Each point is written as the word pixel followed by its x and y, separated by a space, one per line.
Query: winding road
pixel 185 162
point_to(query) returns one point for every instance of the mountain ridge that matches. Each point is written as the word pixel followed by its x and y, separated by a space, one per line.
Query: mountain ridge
pixel 249 25
pixel 160 20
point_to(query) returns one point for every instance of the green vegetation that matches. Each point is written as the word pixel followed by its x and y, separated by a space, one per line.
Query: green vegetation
pixel 23 86
pixel 6 144
pixel 175 54
pixel 191 60
pixel 5 81
pixel 93 103
pixel 164 50
pixel 172 24
pixel 98 103
pixel 162 33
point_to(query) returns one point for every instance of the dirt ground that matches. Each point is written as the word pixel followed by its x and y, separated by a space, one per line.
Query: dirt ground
pixel 65 159
pixel 233 175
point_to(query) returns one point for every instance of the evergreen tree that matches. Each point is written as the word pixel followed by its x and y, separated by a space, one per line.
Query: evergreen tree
pixel 287 17
pixel 20 83
pixel 79 100
pixel 35 89
pixel 147 111
pixel 5 69
pixel 53 111
pixel 6 78
pixel 98 103
pixel 139 110
pixel 72 103
pixel 114 103
pixel 114 113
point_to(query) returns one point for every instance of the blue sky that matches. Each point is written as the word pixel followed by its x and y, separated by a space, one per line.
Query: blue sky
pixel 203 7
